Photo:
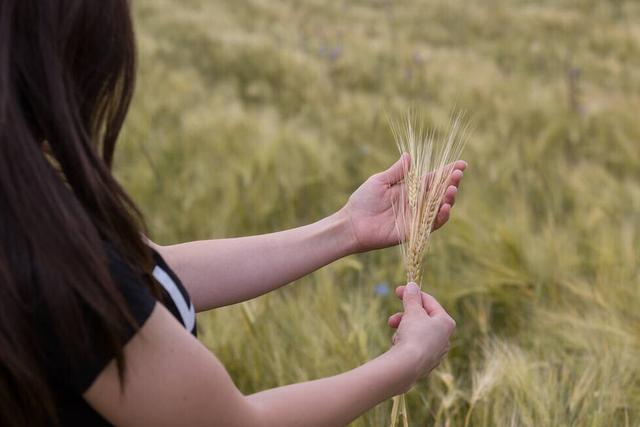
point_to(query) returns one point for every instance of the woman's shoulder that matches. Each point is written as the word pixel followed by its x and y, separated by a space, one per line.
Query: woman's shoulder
pixel 138 296
pixel 130 284
pixel 177 298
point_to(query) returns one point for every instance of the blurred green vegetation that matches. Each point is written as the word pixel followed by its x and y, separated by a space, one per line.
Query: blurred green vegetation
pixel 253 116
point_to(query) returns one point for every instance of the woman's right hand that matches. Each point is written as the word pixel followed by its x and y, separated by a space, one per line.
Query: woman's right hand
pixel 423 330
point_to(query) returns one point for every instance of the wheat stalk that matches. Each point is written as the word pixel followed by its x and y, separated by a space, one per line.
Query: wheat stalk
pixel 421 192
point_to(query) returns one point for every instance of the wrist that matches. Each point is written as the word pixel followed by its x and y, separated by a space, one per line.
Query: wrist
pixel 344 232
pixel 401 366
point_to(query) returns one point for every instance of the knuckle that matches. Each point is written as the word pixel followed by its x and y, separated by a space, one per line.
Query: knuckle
pixel 377 177
pixel 449 323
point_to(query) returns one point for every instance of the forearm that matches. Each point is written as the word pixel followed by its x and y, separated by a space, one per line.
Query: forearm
pixel 337 400
pixel 227 271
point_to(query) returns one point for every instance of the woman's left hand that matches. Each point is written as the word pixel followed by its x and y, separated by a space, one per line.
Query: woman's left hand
pixel 371 207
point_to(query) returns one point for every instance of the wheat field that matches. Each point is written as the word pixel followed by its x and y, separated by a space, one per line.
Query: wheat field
pixel 252 116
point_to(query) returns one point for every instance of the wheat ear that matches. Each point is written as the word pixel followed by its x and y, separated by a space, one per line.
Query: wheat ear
pixel 421 193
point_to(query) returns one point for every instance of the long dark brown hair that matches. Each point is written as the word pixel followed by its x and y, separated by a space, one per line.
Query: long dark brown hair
pixel 66 80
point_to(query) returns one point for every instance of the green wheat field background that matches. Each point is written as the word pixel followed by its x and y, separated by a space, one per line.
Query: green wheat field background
pixel 252 116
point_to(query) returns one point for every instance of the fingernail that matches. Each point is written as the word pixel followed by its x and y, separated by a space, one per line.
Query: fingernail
pixel 412 288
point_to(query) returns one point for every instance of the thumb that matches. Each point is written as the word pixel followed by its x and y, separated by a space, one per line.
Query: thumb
pixel 412 300
pixel 397 171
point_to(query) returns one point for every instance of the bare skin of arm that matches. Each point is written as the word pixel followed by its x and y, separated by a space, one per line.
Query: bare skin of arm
pixel 172 379
pixel 226 271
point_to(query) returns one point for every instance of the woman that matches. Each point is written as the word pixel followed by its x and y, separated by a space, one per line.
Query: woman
pixel 95 327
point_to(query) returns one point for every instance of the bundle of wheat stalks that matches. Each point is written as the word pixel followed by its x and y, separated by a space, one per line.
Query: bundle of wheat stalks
pixel 426 178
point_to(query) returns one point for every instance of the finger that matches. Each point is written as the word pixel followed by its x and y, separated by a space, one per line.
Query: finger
pixel 460 165
pixel 456 171
pixel 432 306
pixel 396 172
pixel 456 177
pixel 448 200
pixel 448 174
pixel 394 320
pixel 450 195
pixel 443 216
pixel 411 299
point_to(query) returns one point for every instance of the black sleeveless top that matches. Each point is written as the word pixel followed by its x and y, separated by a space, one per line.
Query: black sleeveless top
pixel 72 382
